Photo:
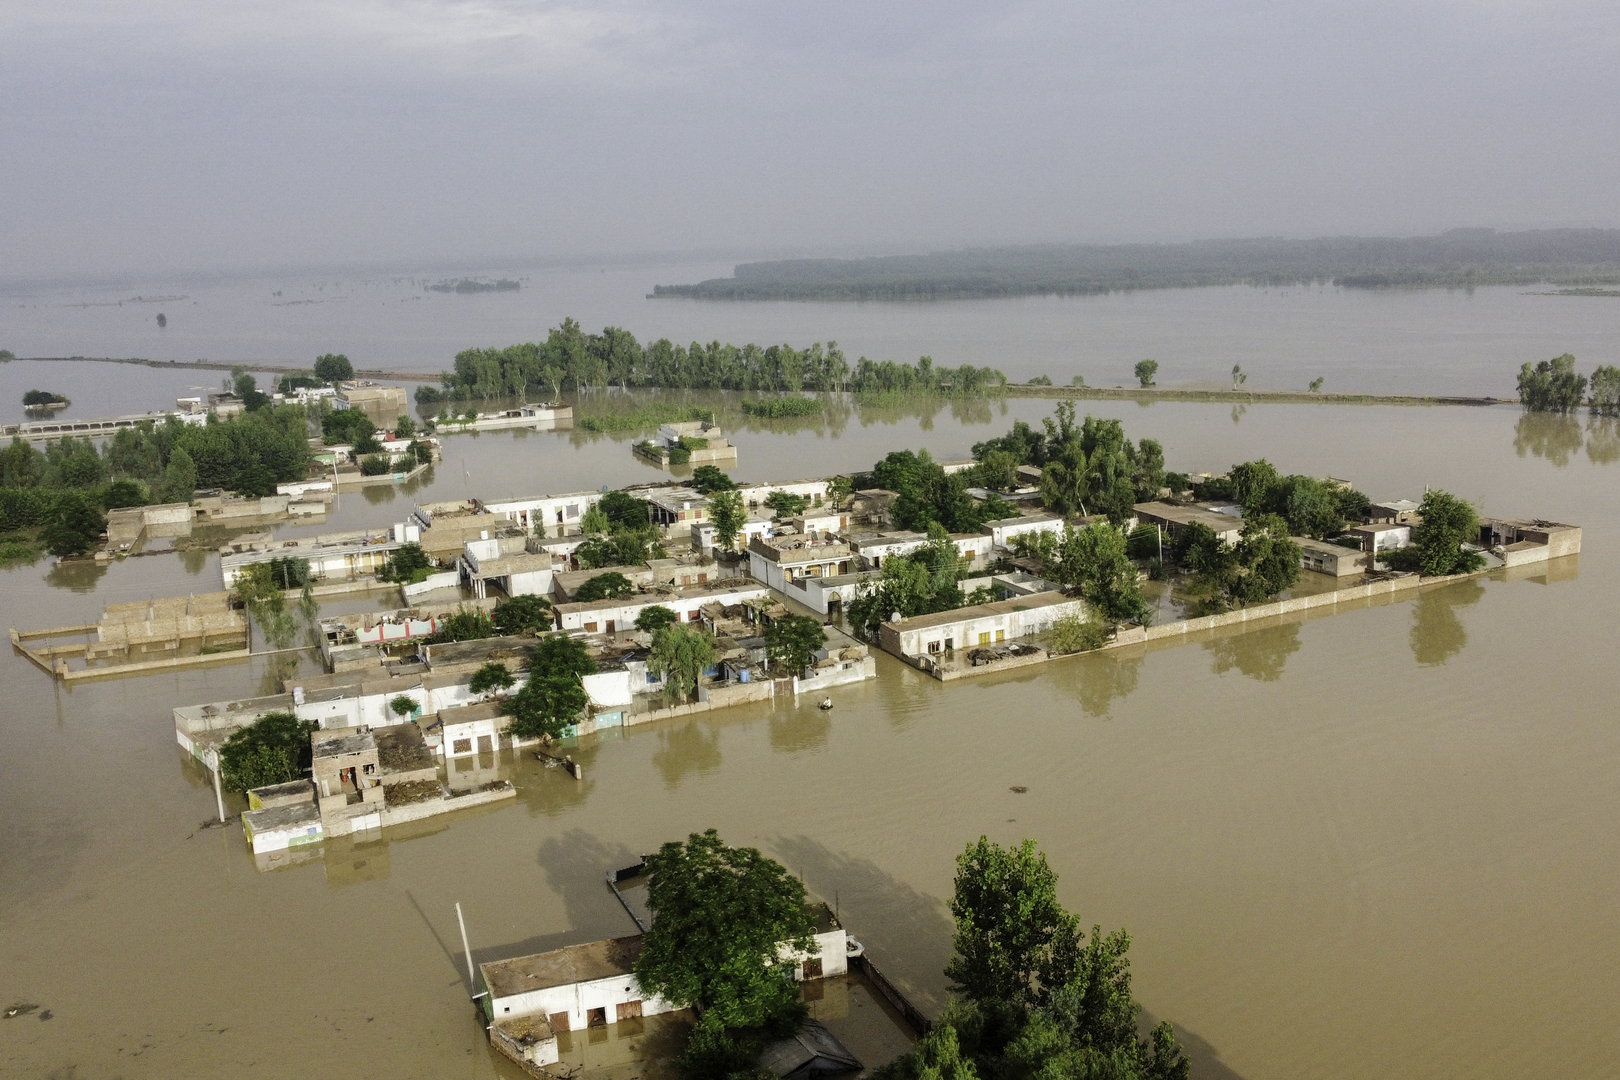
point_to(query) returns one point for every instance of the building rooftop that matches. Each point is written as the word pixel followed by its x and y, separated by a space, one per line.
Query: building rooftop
pixel 1188 515
pixel 980 611
pixel 340 741
pixel 1022 519
pixel 562 967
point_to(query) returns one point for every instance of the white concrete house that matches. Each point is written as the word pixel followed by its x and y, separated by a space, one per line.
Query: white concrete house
pixel 1003 531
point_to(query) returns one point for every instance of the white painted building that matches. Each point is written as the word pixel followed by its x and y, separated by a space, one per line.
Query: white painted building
pixel 971 627
pixel 546 515
pixel 1003 531
pixel 619 616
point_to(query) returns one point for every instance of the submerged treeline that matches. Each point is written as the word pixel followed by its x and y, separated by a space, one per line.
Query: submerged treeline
pixel 1461 258
pixel 570 359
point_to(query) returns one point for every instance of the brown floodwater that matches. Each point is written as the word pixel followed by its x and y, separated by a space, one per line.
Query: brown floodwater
pixel 1382 843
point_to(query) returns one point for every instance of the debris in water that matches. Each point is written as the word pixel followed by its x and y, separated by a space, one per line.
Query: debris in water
pixel 19 1009
pixel 46 1015
pixel 1018 789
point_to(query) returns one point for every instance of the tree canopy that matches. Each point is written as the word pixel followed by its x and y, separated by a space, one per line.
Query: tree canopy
pixel 720 917
pixel 728 516
pixel 522 614
pixel 679 656
pixel 333 367
pixel 791 642
pixel 274 749
pixel 553 697
pixel 1436 549
pixel 611 585
pixel 1552 385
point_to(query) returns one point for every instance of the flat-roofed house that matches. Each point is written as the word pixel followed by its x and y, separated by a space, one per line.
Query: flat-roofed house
pixel 582 986
pixel 1331 559
pixel 983 624
pixel 1174 518
pixel 780 560
pixel 546 515
pixel 1521 540
pixel 1004 530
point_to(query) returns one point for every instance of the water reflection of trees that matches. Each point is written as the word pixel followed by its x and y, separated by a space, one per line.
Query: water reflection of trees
pixel 1238 412
pixel 78 575
pixel 1603 440
pixel 1259 654
pixel 694 747
pixel 1554 436
pixel 1103 677
pixel 1437 634
pixel 377 494
pixel 802 728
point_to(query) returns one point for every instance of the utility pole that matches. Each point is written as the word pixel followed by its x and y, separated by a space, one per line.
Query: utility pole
pixel 219 795
pixel 472 981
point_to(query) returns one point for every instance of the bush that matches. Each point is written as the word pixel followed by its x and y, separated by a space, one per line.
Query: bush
pixel 376 465
pixel 609 586
pixel 75 527
pixel 654 619
pixel 523 614
pixel 464 624
pixel 770 408
pixel 274 749
pixel 492 676
pixel 1071 634
pixel 123 493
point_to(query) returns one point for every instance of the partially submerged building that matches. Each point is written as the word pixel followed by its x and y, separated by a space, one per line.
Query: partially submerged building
pixel 1528 540
pixel 928 641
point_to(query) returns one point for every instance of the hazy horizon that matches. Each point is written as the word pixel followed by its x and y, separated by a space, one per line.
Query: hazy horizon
pixel 175 137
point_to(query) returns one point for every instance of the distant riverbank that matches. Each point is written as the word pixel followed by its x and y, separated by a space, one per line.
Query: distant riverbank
pixel 1081 393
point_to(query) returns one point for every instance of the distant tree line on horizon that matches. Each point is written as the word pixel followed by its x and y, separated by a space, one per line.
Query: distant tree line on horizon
pixel 570 359
pixel 1459 259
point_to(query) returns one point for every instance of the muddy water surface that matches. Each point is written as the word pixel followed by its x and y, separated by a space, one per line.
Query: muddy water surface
pixel 1380 843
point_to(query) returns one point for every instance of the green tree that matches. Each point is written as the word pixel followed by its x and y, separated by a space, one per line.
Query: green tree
pixel 1014 941
pixel 1254 484
pixel 1267 561
pixel 180 478
pixel 624 509
pixel 522 615
pixel 463 624
pixel 75 526
pixel 553 697
pixel 655 618
pixel 1313 508
pixel 721 917
pixel 1145 371
pixel 728 516
pixel 1238 376
pixel 609 586
pixel 1606 390
pixel 123 493
pixel 1092 561
pixel 1316 384
pixel 274 749
pixel 493 676
pixel 404 427
pixel 1436 551
pixel 1552 385
pixel 786 504
pixel 936 1056
pixel 707 479
pixel 792 640
pixel 408 565
pixel 333 367
pixel 594 522
pixel 679 656
pixel 403 705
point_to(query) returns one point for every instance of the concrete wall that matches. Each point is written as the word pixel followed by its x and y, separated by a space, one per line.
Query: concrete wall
pixel 578 998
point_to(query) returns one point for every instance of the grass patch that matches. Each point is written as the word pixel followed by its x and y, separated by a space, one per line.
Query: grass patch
pixel 642 417
pixel 19 549
pixel 770 408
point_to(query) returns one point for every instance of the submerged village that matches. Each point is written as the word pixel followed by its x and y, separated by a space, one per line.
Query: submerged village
pixel 528 624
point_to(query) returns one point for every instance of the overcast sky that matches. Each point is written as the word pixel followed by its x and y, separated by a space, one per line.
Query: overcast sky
pixel 165 135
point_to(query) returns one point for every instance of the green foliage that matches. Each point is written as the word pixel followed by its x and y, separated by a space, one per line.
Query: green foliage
pixel 274 749
pixel 246 387
pixel 621 547
pixel 1145 371
pixel 289 572
pixel 624 510
pixel 1436 549
pixel 1014 941
pixel 727 514
pixel 1092 562
pixel 786 504
pixel 404 427
pixel 655 618
pixel 679 656
pixel 346 426
pixel 791 642
pixel 609 586
pixel 402 705
pixel 408 565
pixel 463 624
pixel 553 697
pixel 917 584
pixel 1071 634
pixel 770 408
pixel 1040 380
pixel 1552 385
pixel 1238 376
pixel 643 416
pixel 493 676
pixel 1606 390
pixel 1313 508
pixel 522 615
pixel 180 478
pixel 719 917
pixel 123 493
pixel 997 470
pixel 376 465
pixel 34 398
pixel 1265 561
pixel 1316 384
pixel 1089 466
pixel 928 497
pixel 936 1056
pixel 289 383
pixel 75 525
pixel 839 489
pixel 422 452
pixel 333 367
pixel 707 479
pixel 594 522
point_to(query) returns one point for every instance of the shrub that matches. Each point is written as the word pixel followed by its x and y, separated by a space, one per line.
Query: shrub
pixel 609 586
pixel 769 408
pixel 654 619
pixel 402 705
pixel 376 465
pixel 492 676
pixel 1071 634
pixel 522 615
pixel 274 749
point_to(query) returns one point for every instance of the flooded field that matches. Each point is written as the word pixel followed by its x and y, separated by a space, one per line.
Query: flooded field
pixel 1376 844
